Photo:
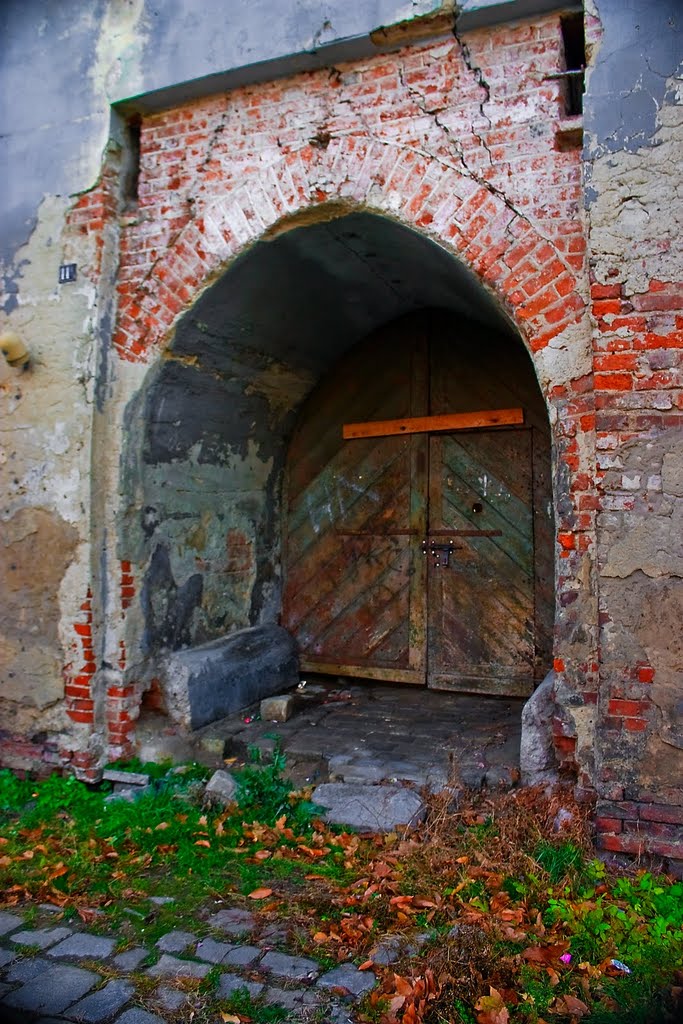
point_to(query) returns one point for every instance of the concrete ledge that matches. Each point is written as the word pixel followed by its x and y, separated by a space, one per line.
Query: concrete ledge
pixel 202 684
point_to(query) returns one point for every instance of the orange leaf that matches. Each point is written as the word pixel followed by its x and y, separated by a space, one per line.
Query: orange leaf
pixel 260 894
pixel 262 855
pixel 161 826
pixel 366 965
pixel 203 842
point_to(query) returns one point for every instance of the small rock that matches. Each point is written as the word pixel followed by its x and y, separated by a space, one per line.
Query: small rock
pixel 171 966
pixel 212 951
pixel 347 977
pixel 92 947
pixel 233 921
pixel 176 942
pixel 41 937
pixel 231 983
pixel 294 968
pixel 562 819
pixel 130 959
pixel 242 956
pixel 9 922
pixel 138 1016
pixel 289 999
pixel 104 1003
pixel 170 998
pixel 161 901
pixel 221 788
pixel 277 709
pixel 388 951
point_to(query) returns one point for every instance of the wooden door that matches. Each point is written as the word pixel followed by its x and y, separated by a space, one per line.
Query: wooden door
pixel 481 603
pixel 362 596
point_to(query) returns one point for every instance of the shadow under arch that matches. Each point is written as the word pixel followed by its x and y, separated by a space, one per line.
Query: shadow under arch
pixel 207 434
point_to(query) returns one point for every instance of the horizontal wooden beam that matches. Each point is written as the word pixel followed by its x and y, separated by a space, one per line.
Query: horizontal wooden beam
pixel 427 424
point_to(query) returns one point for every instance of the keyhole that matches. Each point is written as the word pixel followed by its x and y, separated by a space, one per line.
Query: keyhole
pixel 477 508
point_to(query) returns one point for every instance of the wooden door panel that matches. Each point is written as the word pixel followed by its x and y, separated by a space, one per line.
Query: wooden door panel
pixel 481 607
pixel 355 585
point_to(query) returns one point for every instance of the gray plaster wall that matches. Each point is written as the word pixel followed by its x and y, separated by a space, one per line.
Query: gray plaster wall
pixel 64 64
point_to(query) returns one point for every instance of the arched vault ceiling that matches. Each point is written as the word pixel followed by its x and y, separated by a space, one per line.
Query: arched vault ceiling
pixel 307 295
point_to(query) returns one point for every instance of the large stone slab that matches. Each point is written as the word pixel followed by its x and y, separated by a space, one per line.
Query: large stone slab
pixel 369 808
pixel 202 684
pixel 52 990
pixel 103 1004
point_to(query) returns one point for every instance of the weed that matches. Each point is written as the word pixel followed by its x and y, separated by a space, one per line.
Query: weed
pixel 558 859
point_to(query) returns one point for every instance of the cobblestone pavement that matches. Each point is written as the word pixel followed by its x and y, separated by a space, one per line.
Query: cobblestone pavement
pixel 343 731
pixel 51 971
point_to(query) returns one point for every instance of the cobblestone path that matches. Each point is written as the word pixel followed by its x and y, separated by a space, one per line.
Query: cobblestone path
pixel 51 971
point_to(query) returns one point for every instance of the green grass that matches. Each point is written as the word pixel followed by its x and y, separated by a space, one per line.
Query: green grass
pixel 509 885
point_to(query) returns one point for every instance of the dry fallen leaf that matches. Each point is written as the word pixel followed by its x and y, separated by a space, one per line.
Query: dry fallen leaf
pixel 260 894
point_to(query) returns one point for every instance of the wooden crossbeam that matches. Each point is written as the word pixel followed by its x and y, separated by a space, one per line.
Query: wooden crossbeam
pixel 428 424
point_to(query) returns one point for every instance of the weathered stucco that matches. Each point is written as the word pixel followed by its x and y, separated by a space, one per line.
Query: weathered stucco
pixel 46 428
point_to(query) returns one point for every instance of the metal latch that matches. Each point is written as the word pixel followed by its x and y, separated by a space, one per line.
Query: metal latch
pixel 440 552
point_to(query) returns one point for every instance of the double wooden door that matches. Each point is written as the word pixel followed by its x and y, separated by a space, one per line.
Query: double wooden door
pixel 409 558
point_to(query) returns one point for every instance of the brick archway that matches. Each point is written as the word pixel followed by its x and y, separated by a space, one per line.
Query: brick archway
pixel 536 283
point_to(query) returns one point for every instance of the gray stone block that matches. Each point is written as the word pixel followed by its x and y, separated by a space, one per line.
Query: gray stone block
pixel 347 977
pixel 537 759
pixel 129 959
pixel 172 967
pixel 24 970
pixel 277 709
pixel 43 938
pixel 52 990
pixel 242 956
pixel 230 983
pixel 369 808
pixel 176 942
pixel 289 998
pixel 83 946
pixel 103 1004
pixel 233 921
pixel 221 788
pixel 295 968
pixel 137 1016
pixel 6 957
pixel 213 952
pixel 202 684
pixel 9 922
pixel 127 778
pixel 170 998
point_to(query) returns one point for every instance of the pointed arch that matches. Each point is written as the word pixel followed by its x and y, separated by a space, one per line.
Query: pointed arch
pixel 533 280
